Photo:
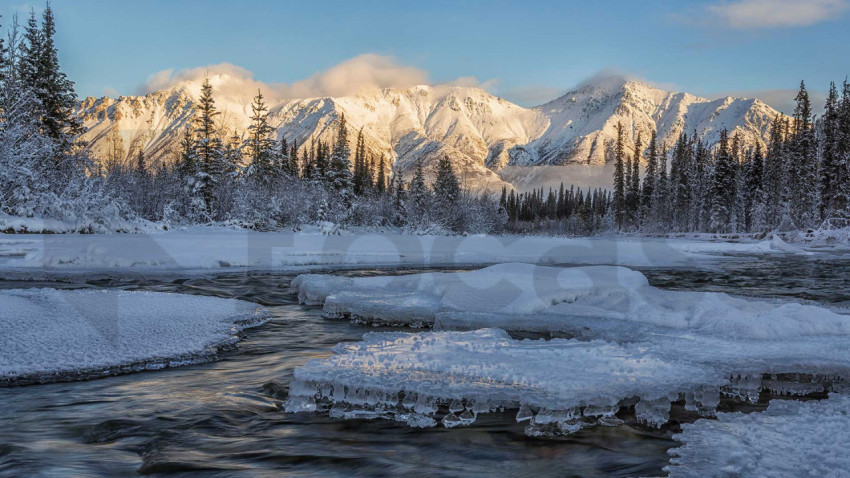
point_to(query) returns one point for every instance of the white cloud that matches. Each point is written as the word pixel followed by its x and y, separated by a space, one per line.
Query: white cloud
pixel 776 13
pixel 361 73
pixel 356 75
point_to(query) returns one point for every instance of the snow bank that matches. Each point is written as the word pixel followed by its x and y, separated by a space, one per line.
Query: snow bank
pixel 215 248
pixel 39 225
pixel 61 334
pixel 789 439
pixel 545 299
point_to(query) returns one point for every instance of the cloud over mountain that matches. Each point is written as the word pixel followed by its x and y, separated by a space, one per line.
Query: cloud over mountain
pixel 356 75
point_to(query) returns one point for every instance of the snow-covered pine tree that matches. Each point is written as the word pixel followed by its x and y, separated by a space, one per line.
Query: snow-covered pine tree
pixel 649 180
pixel 322 163
pixel 339 169
pixel 10 65
pixel 208 147
pixel 843 154
pixel 661 195
pixel 282 155
pixel 754 191
pixel 633 194
pixel 53 90
pixel 371 178
pixel 5 61
pixel 619 179
pixel 774 181
pixel 805 193
pixel 260 145
pixel 680 179
pixel 738 212
pixel 723 187
pixel 381 181
pixel 446 185
pixel 447 195
pixel 399 201
pixel 294 160
pixel 831 169
pixel 308 171
pixel 360 165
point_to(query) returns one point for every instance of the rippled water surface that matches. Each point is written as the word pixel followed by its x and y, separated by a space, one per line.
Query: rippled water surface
pixel 225 418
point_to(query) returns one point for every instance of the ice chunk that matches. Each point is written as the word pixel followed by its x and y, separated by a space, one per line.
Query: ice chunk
pixel 555 378
pixel 636 341
pixel 64 334
pixel 790 438
pixel 579 300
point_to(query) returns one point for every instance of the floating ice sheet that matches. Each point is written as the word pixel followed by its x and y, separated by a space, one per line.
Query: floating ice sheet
pixel 56 334
pixel 400 373
pixel 638 342
pixel 543 299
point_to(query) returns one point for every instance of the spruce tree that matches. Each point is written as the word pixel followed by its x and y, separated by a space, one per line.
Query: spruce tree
pixel 649 178
pixel 754 191
pixel 774 180
pixel 11 66
pixel 843 155
pixel 360 168
pixel 41 73
pixel 832 171
pixel 446 185
pixel 187 164
pixel 400 201
pixel 59 99
pixel 381 182
pixel 804 195
pixel 619 180
pixel 208 147
pixel 723 187
pixel 680 179
pixel 339 168
pixel 260 145
pixel 294 162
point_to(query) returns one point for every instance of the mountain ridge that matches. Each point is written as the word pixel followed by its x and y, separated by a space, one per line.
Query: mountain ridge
pixel 481 133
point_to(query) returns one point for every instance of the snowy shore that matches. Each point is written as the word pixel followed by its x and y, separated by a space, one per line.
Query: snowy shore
pixel 208 248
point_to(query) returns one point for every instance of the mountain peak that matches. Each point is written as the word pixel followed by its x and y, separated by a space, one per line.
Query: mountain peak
pixel 480 132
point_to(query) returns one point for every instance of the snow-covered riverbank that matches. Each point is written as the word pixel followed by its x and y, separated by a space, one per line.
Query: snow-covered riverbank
pixel 220 248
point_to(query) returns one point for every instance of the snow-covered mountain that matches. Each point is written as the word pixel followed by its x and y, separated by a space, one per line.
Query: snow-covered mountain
pixel 583 123
pixel 481 133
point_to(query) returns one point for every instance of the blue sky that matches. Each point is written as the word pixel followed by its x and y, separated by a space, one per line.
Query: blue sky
pixel 526 51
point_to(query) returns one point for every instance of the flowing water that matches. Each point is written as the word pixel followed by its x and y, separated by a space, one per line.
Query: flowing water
pixel 226 419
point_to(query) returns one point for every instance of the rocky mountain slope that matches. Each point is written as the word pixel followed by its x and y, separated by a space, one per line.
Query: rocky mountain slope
pixel 481 133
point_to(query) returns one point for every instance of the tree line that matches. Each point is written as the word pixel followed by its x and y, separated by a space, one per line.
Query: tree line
pixel 565 211
pixel 801 180
pixel 251 180
pixel 258 182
